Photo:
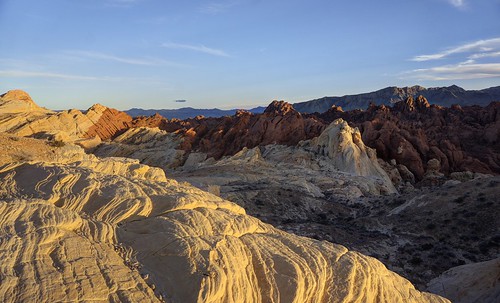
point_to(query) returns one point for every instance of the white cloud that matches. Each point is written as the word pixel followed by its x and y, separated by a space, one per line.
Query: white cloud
pixel 459 71
pixel 131 61
pixel 475 61
pixel 457 3
pixel 31 74
pixel 485 55
pixel 477 46
pixel 217 7
pixel 197 48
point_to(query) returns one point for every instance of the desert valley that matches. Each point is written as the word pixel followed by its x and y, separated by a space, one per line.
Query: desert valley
pixel 395 202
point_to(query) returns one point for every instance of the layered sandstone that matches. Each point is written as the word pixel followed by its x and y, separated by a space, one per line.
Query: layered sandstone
pixel 115 230
pixel 19 115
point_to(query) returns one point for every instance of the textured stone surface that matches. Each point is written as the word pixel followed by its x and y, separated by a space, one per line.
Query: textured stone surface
pixel 19 115
pixel 412 133
pixel 477 282
pixel 115 230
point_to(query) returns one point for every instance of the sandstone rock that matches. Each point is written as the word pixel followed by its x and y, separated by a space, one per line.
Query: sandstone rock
pixel 151 146
pixel 21 116
pixel 343 145
pixel 392 171
pixel 18 101
pixel 88 230
pixel 414 132
pixel 107 122
pixel 406 174
pixel 477 282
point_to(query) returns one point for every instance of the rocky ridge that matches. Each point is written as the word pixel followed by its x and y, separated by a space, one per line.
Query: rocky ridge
pixel 19 115
pixel 443 96
pixel 411 133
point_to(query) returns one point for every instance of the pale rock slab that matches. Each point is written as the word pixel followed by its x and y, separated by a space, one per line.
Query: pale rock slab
pixel 476 282
pixel 93 230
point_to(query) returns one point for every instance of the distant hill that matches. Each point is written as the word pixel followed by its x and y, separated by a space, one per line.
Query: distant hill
pixel 188 112
pixel 445 96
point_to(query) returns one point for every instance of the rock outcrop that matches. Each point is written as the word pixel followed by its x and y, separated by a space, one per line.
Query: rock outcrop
pixel 218 137
pixel 18 101
pixel 115 230
pixel 412 133
pixel 476 282
pixel 344 146
pixel 107 122
pixel 19 115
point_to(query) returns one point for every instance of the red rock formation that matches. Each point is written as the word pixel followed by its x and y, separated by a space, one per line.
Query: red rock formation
pixel 109 123
pixel 412 132
pixel 218 137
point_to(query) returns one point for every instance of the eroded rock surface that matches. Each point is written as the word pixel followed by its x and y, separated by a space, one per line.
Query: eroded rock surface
pixel 19 115
pixel 115 230
pixel 477 282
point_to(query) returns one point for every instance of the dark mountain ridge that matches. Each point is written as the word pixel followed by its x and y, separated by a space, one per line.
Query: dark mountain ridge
pixel 188 112
pixel 444 96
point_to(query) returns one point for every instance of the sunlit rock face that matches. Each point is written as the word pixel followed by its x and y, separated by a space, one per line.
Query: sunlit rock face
pixel 344 146
pixel 115 230
pixel 19 115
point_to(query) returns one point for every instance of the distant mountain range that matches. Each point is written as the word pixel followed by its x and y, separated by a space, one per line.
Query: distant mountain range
pixel 444 96
pixel 188 112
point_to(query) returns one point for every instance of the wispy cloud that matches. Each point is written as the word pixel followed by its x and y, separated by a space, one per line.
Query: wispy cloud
pixel 488 45
pixel 475 60
pixel 109 57
pixel 485 55
pixel 457 3
pixel 33 74
pixel 217 7
pixel 197 48
pixel 456 72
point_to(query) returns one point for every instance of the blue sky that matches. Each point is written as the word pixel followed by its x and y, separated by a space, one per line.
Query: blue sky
pixel 241 53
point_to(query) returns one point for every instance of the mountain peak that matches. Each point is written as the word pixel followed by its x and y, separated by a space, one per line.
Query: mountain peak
pixel 280 107
pixel 18 101
pixel 17 95
pixel 411 104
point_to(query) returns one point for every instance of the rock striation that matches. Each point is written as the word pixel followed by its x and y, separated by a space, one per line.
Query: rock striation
pixel 74 227
pixel 115 230
pixel 19 115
